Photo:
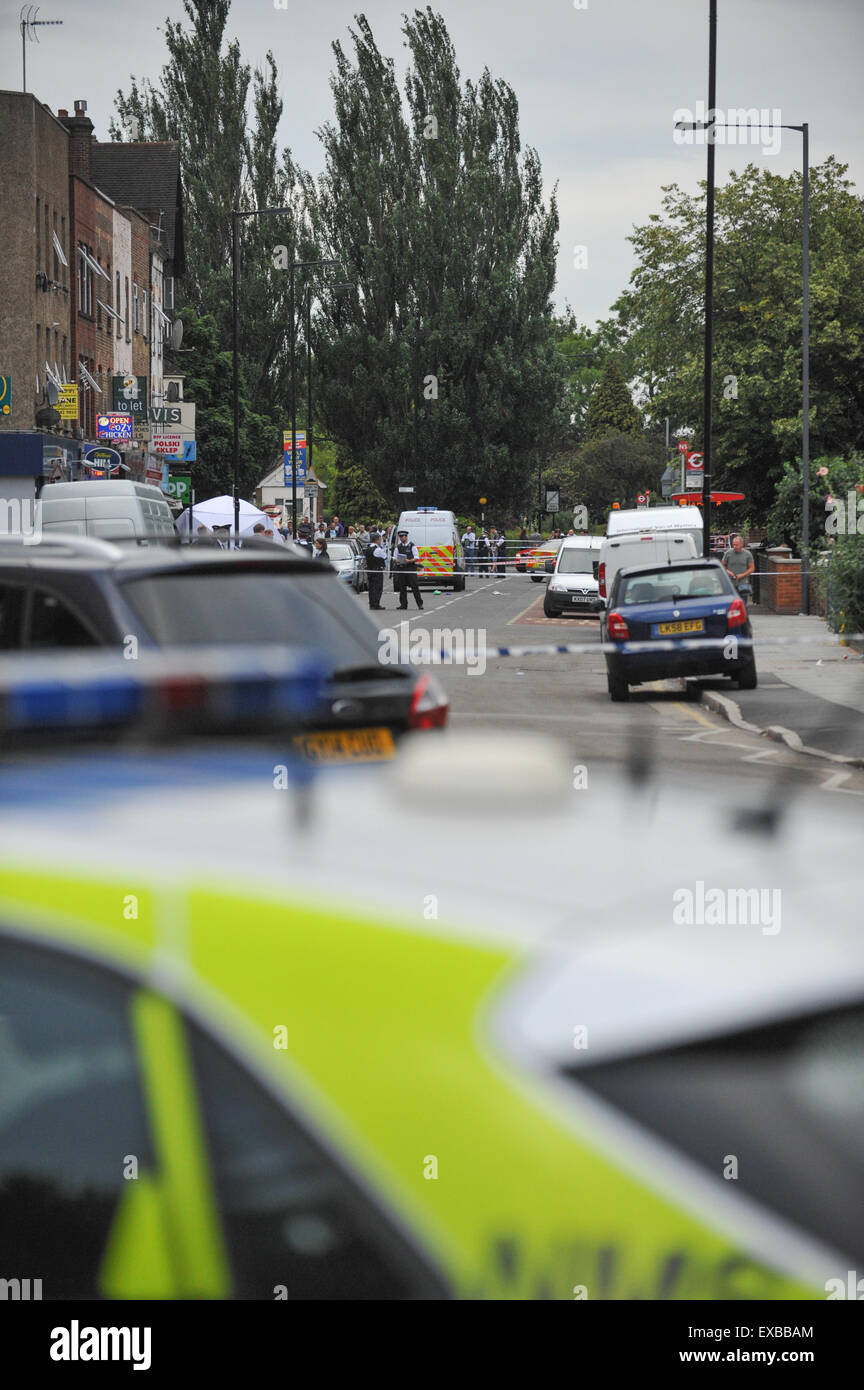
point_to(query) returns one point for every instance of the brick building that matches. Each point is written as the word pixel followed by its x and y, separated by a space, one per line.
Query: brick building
pixel 93 235
pixel 93 329
pixel 37 301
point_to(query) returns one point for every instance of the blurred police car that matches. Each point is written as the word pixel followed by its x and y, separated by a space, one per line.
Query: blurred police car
pixel 255 1066
pixel 76 593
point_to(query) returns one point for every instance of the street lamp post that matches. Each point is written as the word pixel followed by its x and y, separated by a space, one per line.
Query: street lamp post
pixel 709 127
pixel 805 367
pixel 804 130
pixel 707 393
pixel 235 315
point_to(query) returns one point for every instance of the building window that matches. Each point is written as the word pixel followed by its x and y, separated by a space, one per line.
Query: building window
pixel 137 305
pixel 56 257
pixel 47 240
pixel 39 364
pixel 117 302
pixel 127 310
pixel 38 233
pixel 85 282
pixel 63 244
pixel 144 312
pixel 168 292
pixel 64 358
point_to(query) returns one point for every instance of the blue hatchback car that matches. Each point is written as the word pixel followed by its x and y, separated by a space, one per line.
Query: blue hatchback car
pixel 676 620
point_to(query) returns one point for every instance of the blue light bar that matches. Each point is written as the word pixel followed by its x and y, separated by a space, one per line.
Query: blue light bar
pixel 201 689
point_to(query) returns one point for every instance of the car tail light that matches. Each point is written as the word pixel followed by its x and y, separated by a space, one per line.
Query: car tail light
pixel 737 613
pixel 601 579
pixel 616 626
pixel 429 705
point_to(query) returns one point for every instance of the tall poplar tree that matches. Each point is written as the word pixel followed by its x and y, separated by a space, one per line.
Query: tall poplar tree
pixel 441 370
pixel 224 118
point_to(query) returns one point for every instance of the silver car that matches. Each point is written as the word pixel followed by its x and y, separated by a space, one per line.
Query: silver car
pixel 347 559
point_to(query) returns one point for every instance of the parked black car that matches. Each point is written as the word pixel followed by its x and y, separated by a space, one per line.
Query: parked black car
pixel 82 593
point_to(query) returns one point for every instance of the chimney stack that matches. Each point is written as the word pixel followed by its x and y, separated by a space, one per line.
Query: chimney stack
pixel 80 129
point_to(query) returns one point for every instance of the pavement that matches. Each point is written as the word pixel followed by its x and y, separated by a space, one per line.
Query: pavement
pixel 813 687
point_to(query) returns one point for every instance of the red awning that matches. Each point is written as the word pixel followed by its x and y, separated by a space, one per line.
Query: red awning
pixel 716 497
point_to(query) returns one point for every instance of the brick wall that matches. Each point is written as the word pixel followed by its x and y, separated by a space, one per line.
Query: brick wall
pixel 34 182
pixel 781 587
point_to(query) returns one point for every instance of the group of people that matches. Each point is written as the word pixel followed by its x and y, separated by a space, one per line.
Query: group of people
pixel 484 553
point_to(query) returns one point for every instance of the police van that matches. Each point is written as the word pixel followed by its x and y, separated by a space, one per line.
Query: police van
pixel 436 535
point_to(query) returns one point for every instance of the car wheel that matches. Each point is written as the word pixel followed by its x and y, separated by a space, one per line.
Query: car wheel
pixel 549 610
pixel 747 679
pixel 619 690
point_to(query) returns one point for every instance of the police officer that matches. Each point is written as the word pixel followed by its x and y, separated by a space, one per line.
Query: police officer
pixel 406 558
pixel 376 562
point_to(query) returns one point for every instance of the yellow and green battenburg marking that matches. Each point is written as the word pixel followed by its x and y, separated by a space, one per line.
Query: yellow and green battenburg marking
pixel 385 1054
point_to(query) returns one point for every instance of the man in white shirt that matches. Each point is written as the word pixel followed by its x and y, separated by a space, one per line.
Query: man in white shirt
pixel 469 545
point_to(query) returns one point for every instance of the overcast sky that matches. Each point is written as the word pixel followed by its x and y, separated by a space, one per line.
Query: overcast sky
pixel 598 88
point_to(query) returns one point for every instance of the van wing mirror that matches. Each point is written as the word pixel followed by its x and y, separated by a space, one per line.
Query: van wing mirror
pixel 549 566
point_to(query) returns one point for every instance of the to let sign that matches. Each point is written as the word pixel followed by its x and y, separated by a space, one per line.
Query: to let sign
pixel 67 402
pixel 129 395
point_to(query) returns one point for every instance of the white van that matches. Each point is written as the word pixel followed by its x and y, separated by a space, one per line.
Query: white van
pixel 632 551
pixel 436 536
pixel 112 511
pixel 573 586
pixel 645 519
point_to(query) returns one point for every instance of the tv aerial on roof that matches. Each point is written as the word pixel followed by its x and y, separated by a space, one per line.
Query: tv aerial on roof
pixel 28 24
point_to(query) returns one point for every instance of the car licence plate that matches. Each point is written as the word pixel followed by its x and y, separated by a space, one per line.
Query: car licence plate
pixel 346 746
pixel 579 598
pixel 666 629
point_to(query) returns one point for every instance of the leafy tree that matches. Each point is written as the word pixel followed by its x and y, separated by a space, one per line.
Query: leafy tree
pixel 611 409
pixel 757 359
pixel 613 468
pixel 442 369
pixel 829 477
pixel 354 496
pixel 208 382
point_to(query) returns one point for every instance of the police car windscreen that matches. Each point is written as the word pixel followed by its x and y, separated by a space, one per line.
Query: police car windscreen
pixel 302 610
pixel 785 1098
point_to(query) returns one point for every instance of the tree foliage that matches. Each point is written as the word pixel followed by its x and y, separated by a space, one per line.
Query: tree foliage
pixel 757 330
pixel 354 496
pixel 224 118
pixel 613 468
pixel 441 370
pixel 611 409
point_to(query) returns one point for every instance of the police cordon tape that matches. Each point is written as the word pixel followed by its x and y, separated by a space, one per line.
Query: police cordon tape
pixel 490 568
pixel 620 648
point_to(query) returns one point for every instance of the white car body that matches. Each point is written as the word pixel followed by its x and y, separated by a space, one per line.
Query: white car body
pixel 637 549
pixel 573 585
